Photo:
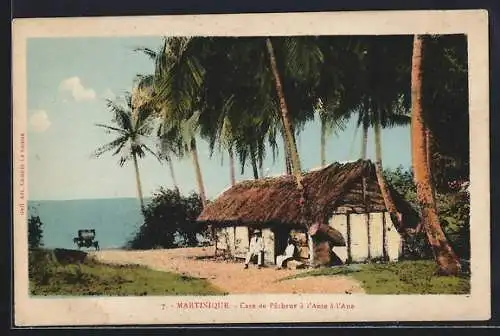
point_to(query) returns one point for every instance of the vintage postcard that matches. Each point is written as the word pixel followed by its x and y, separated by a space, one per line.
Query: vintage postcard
pixel 251 168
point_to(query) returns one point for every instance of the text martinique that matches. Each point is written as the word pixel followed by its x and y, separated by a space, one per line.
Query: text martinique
pixel 203 305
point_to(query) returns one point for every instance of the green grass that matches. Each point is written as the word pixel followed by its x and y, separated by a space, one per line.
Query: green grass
pixel 406 277
pixel 51 275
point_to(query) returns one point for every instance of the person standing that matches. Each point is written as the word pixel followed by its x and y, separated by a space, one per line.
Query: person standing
pixel 256 249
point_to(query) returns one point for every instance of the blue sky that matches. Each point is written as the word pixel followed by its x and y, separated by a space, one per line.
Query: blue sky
pixel 68 81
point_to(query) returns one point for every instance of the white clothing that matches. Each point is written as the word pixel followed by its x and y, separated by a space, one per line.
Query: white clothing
pixel 289 251
pixel 251 254
pixel 256 244
pixel 256 248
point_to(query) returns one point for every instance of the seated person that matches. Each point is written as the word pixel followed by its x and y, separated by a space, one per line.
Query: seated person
pixel 256 249
pixel 289 254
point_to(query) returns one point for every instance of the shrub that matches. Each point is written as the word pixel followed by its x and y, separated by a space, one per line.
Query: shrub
pixel 35 232
pixel 170 221
pixel 453 206
pixel 455 220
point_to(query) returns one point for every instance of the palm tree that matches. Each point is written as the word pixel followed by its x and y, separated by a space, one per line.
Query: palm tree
pixel 383 96
pixel 447 261
pixel 332 121
pixel 227 142
pixel 391 120
pixel 169 143
pixel 189 134
pixel 232 173
pixel 186 131
pixel 170 146
pixel 257 77
pixel 247 80
pixel 285 115
pixel 173 98
pixel 249 142
pixel 131 127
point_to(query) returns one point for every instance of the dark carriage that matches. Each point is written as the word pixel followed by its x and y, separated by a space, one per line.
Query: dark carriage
pixel 86 238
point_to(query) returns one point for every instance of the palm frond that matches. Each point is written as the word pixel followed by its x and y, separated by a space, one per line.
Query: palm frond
pixel 149 150
pixel 396 120
pixel 119 148
pixel 130 127
pixel 111 128
pixel 124 159
pixel 110 146
pixel 147 51
pixel 121 115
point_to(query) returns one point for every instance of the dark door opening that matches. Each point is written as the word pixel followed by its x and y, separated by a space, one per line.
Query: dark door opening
pixel 280 240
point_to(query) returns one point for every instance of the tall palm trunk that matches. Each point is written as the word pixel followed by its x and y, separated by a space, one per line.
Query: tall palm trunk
pixel 429 149
pixel 138 181
pixel 446 259
pixel 289 133
pixel 255 169
pixel 322 148
pixel 384 189
pixel 199 177
pixel 172 173
pixel 232 173
pixel 294 145
pixel 287 125
pixel 364 142
pixel 261 168
pixel 253 162
pixel 288 164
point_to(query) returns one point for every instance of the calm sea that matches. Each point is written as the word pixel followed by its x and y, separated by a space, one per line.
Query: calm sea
pixel 115 220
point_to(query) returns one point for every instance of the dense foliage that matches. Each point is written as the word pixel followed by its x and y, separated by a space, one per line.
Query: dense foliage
pixel 170 221
pixel 446 107
pixel 453 207
pixel 35 232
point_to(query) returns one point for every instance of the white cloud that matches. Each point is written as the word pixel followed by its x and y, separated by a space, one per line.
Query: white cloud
pixel 74 86
pixel 108 94
pixel 39 121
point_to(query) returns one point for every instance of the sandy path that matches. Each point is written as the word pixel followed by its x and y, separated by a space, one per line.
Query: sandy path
pixel 229 276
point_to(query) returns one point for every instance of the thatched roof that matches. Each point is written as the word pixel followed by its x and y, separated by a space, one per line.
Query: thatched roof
pixel 335 188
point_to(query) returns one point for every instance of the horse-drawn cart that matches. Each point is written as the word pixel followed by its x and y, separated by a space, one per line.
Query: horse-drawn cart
pixel 86 239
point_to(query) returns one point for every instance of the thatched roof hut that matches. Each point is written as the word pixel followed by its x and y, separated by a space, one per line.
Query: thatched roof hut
pixel 350 187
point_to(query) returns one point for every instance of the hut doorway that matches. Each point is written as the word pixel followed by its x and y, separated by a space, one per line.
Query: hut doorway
pixel 280 240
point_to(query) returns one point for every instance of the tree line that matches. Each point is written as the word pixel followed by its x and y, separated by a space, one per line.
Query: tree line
pixel 248 95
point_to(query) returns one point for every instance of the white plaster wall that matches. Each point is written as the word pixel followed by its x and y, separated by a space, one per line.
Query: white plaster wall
pixel 359 237
pixel 221 241
pixel 230 234
pixel 339 222
pixel 241 241
pixel 393 239
pixel 268 237
pixel 376 231
pixel 225 239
